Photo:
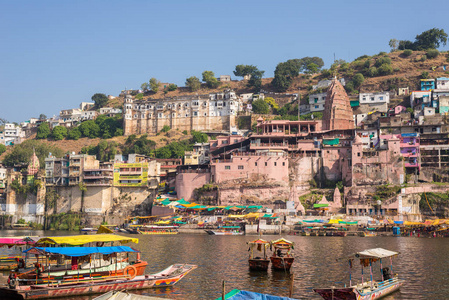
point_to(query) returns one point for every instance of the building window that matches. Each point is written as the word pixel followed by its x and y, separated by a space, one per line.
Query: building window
pixel 275 164
pixel 381 98
pixel 266 164
pixel 255 163
pixel 240 167
pixel 283 164
pixel 358 153
pixel 227 167
pixel 316 106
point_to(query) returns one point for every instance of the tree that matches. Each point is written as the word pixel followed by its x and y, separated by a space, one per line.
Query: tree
pixel 199 137
pixel 100 100
pixel 255 81
pixel 109 126
pixel 430 39
pixel 357 80
pixel 193 83
pixel 385 69
pixel 42 117
pixel 139 96
pixel 145 86
pixel 154 85
pixel 260 107
pixel 243 70
pixel 172 87
pixel 270 101
pixel 393 43
pixel 210 79
pixel 43 131
pixel 74 134
pixel 286 71
pixel 312 68
pixel 22 153
pixel 165 128
pixel 90 129
pixel 163 152
pixel 2 149
pixel 407 53
pixel 59 133
pixel 425 75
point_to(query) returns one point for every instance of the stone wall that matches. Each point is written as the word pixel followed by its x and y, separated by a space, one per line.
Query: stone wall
pixel 186 183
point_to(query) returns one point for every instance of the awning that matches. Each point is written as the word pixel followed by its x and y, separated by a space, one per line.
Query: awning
pixel 15 241
pixel 79 251
pixel 375 253
pixel 244 295
pixel 319 205
pixel 77 240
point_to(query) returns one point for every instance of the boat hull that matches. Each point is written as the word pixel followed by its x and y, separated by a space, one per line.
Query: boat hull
pixel 225 233
pixel 77 274
pixel 281 263
pixel 157 232
pixel 171 276
pixel 352 293
pixel 259 264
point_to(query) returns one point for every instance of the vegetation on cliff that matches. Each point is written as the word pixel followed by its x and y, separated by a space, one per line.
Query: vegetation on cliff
pixel 22 153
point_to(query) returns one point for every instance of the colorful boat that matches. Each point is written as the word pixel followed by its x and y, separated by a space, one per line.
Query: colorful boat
pixel 226 230
pixel 282 258
pixel 156 229
pixel 370 289
pixel 239 295
pixel 11 251
pixel 84 262
pixel 258 259
pixel 90 286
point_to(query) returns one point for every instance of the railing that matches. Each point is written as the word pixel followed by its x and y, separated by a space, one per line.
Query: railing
pixel 411 165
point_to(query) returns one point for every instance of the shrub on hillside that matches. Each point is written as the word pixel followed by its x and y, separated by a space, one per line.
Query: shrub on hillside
pixel 59 133
pixel 425 75
pixel 74 134
pixel 2 149
pixel 432 53
pixel 382 60
pixel 385 69
pixel 407 53
pixel 372 72
pixel 22 153
pixel 166 128
pixel 424 58
pixel 172 87
pixel 261 107
pixel 43 131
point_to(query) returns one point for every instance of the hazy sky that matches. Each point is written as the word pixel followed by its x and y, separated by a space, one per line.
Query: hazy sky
pixel 56 54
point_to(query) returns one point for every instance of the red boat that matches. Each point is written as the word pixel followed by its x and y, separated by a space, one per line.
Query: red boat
pixel 258 259
pixel 282 258
pixel 89 286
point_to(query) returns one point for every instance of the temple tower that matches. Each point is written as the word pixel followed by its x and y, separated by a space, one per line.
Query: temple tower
pixel 337 113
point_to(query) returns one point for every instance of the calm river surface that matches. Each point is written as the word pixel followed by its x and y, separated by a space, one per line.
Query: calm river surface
pixel 423 263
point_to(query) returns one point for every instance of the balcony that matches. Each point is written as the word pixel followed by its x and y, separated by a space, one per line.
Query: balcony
pixel 131 172
pixel 409 145
pixel 410 154
pixel 98 176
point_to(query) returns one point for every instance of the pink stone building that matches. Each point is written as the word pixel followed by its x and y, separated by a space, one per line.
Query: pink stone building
pixel 272 164
pixel 222 141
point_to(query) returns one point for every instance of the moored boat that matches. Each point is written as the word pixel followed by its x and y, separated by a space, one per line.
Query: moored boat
pixel 74 263
pixel 11 251
pixel 258 259
pixel 226 230
pixel 370 289
pixel 89 286
pixel 156 229
pixel 282 258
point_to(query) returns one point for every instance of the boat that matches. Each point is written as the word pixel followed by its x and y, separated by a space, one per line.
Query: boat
pixel 74 263
pixel 156 229
pixel 226 230
pixel 118 295
pixel 90 286
pixel 88 229
pixel 258 259
pixel 370 289
pixel 240 295
pixel 11 251
pixel 282 258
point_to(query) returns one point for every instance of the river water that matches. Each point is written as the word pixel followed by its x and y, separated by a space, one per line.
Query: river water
pixel 423 264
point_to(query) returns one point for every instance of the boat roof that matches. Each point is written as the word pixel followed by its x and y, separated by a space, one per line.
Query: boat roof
pixel 240 294
pixel 77 240
pixel 282 241
pixel 10 241
pixel 259 241
pixel 375 253
pixel 79 251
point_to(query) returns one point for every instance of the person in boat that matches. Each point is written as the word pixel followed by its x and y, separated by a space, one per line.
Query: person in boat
pixel 386 273
pixel 279 253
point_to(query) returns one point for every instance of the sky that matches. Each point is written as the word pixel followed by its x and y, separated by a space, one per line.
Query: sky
pixel 56 54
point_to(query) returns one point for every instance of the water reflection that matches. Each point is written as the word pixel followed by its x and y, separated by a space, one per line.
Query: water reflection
pixel 422 264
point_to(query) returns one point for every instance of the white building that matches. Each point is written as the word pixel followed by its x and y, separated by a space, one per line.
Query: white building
pixel 374 98
pixel 88 115
pixel 316 102
pixel 86 105
pixel 246 97
pixel 12 134
pixel 110 111
pixel 442 83
pixel 419 97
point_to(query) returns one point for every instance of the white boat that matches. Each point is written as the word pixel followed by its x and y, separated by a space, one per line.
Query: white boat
pixel 370 289
pixel 226 230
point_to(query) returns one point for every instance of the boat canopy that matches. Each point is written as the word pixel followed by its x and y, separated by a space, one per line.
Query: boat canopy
pixel 282 242
pixel 243 295
pixel 77 240
pixel 79 251
pixel 258 241
pixel 10 241
pixel 375 253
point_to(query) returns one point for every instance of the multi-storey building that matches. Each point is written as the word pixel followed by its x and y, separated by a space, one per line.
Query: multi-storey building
pixel 316 102
pixel 11 135
pixel 101 176
pixel 427 84
pixel 199 112
pixel 57 170
pixel 77 164
pixel 199 155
